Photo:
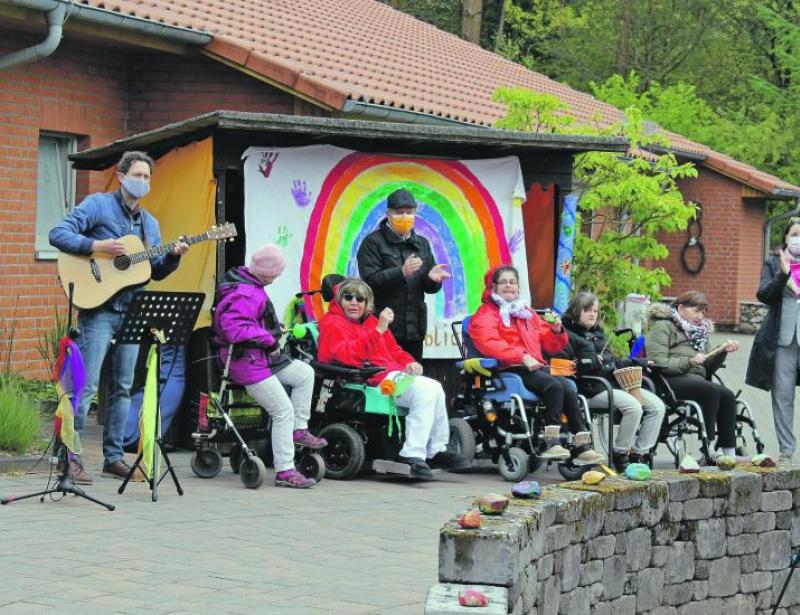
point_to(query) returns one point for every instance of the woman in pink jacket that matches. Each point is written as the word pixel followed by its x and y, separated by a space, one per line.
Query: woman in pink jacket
pixel 244 316
pixel 506 329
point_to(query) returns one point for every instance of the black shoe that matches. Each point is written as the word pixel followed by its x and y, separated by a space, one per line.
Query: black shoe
pixel 450 461
pixel 646 459
pixel 418 467
pixel 621 461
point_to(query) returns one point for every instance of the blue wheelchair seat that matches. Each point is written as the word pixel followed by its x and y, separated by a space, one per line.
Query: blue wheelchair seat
pixel 509 383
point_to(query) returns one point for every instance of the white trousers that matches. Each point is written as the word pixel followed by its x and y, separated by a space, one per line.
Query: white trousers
pixel 288 413
pixel 427 429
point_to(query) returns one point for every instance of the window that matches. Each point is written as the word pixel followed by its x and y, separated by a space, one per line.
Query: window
pixel 55 194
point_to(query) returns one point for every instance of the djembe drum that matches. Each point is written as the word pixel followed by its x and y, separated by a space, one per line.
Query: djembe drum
pixel 630 380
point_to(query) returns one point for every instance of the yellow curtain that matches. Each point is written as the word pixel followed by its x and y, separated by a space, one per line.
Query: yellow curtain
pixel 181 198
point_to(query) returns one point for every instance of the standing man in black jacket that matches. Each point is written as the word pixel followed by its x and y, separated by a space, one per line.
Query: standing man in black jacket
pixel 398 264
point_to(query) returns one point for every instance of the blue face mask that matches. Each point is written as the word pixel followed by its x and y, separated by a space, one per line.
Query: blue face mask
pixel 137 188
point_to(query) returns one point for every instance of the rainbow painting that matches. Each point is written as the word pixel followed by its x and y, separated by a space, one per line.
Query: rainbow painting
pixel 456 213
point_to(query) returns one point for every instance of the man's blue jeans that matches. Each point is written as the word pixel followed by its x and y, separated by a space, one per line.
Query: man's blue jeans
pixel 96 330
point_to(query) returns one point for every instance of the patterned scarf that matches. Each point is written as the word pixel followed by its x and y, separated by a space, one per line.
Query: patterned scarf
pixel 508 309
pixel 794 277
pixel 698 335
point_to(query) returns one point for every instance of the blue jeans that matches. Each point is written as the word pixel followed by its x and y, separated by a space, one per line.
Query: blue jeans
pixel 96 330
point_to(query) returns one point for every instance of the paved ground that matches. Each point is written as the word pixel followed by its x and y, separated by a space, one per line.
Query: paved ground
pixel 363 546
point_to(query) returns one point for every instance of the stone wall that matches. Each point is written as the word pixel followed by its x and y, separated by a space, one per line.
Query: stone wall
pixel 751 315
pixel 707 543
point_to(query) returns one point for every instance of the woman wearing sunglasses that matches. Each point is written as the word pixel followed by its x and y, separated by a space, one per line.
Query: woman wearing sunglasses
pixel 775 357
pixel 349 334
pixel 244 316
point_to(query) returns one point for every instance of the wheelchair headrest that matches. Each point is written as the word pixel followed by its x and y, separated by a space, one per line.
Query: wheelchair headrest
pixel 329 283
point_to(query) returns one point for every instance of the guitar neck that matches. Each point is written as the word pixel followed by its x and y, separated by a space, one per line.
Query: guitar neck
pixel 146 255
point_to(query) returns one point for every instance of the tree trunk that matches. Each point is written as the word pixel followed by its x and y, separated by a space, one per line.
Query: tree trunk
pixel 471 13
pixel 500 24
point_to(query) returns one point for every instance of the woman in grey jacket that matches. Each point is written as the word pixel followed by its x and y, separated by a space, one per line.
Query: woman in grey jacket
pixel 775 356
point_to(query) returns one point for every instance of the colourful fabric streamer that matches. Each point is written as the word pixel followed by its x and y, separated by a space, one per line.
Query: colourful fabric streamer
pixel 147 417
pixel 566 244
pixel 69 373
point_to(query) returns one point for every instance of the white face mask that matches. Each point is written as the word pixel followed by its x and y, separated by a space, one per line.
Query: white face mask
pixel 793 245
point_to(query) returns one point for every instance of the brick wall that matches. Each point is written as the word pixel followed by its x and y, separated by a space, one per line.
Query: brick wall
pixel 97 94
pixel 732 239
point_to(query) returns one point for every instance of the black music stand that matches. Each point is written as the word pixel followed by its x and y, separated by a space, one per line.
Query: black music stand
pixel 65 483
pixel 161 318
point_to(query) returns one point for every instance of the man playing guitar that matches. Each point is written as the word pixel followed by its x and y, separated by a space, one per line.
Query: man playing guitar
pixel 96 226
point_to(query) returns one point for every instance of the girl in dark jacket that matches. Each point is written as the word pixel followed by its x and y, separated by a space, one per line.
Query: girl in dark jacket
pixel 775 357
pixel 593 358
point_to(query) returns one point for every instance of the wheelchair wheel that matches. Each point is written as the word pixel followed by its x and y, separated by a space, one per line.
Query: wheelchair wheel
pixel 600 423
pixel 235 458
pixel 570 471
pixel 462 438
pixel 312 465
pixel 206 462
pixel 345 452
pixel 517 469
pixel 252 472
pixel 535 463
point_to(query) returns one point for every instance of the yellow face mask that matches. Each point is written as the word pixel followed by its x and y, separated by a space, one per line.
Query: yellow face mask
pixel 402 223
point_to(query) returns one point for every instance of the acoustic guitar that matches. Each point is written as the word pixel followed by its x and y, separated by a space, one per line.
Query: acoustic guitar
pixel 98 277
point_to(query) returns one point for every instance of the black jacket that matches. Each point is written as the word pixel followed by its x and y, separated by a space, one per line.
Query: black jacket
pixel 586 345
pixel 380 264
pixel 761 365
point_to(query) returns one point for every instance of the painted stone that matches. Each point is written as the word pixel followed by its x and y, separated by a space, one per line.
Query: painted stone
pixel 526 489
pixel 492 504
pixel 472 597
pixel 592 477
pixel 764 461
pixel 688 465
pixel 726 463
pixel 637 471
pixel 470 520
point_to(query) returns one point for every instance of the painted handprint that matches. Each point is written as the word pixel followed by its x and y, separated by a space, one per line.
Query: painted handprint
pixel 283 236
pixel 515 241
pixel 300 193
pixel 267 161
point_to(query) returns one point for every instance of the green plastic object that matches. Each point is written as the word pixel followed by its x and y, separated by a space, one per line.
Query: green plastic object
pixel 637 471
pixel 376 402
pixel 299 331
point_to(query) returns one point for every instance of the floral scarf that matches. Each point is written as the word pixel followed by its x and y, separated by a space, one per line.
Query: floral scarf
pixel 698 335
pixel 515 308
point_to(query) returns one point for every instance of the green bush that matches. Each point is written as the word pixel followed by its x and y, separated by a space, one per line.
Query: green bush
pixel 20 423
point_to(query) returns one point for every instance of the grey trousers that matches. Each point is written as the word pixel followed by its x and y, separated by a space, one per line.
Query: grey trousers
pixel 784 381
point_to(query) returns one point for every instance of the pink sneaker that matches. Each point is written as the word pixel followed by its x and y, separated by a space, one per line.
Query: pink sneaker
pixel 293 478
pixel 303 437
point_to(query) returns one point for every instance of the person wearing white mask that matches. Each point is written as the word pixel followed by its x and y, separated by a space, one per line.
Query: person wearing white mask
pixel 96 226
pixel 775 357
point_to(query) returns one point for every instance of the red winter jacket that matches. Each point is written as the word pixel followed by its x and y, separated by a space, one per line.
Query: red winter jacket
pixel 494 340
pixel 357 343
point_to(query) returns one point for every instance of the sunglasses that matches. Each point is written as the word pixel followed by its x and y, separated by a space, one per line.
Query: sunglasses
pixel 356 298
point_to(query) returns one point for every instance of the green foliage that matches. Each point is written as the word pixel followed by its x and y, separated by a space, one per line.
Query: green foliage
pixel 625 202
pixel 49 336
pixel 20 422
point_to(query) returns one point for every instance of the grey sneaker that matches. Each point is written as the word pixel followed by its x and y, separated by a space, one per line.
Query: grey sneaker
pixel 589 457
pixel 555 451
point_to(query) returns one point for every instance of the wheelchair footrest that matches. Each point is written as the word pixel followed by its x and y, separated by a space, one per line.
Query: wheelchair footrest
pixel 397 468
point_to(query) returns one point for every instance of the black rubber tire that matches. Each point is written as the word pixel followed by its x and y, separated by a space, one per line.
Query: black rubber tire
pixel 570 471
pixel 344 456
pixel 312 465
pixel 206 463
pixel 252 472
pixel 535 463
pixel 520 462
pixel 462 438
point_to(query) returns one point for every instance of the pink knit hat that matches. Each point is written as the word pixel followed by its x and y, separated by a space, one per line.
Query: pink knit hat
pixel 267 262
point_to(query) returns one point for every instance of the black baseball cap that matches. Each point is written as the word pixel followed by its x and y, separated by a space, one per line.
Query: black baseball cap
pixel 400 198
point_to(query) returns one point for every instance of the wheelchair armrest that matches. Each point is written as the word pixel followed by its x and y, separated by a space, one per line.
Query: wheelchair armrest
pixel 347 372
pixel 484 363
pixel 607 385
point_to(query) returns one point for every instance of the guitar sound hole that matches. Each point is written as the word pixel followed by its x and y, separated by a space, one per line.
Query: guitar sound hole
pixel 122 262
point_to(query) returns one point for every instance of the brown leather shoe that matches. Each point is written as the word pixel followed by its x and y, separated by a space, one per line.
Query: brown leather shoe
pixel 116 469
pixel 78 474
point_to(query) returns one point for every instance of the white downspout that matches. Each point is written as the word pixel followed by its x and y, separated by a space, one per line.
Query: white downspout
pixel 55 23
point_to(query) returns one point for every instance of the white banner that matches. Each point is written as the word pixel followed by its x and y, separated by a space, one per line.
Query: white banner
pixel 319 202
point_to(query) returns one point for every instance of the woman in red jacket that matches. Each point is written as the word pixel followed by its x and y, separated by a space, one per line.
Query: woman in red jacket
pixel 350 335
pixel 506 329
